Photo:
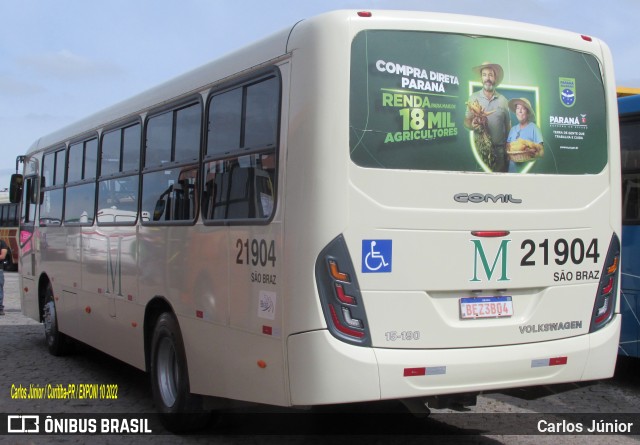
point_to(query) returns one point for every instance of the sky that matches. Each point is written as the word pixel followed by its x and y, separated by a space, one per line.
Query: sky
pixel 61 61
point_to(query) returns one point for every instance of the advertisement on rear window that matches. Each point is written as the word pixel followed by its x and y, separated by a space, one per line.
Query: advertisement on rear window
pixel 432 101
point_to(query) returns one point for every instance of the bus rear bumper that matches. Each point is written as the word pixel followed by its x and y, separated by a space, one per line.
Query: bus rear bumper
pixel 324 370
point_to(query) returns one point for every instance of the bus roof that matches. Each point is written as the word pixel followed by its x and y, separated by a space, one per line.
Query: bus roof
pixel 629 105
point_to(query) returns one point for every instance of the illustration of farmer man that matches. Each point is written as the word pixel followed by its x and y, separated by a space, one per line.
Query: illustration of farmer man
pixel 488 117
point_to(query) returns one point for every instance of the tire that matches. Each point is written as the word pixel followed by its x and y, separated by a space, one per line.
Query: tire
pixel 57 342
pixel 180 411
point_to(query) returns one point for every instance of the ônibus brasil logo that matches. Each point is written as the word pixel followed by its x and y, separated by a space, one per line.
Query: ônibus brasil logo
pixel 498 266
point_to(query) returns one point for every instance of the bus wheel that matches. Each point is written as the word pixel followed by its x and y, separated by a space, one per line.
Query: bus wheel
pixel 180 411
pixel 57 342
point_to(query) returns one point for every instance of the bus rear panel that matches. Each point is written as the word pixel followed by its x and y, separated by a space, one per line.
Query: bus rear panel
pixel 461 257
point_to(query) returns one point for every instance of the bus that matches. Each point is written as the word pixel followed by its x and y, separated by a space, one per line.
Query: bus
pixel 629 109
pixel 333 215
pixel 9 230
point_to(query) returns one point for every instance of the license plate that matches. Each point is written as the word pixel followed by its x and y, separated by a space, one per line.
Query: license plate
pixel 486 307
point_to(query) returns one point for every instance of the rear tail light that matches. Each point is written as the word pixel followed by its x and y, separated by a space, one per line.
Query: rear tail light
pixel 343 297
pixel 605 303
pixel 336 274
pixel 340 294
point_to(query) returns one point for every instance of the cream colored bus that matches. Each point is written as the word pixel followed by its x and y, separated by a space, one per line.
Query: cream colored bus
pixel 364 206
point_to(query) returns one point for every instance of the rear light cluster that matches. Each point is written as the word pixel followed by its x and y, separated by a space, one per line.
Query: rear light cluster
pixel 340 294
pixel 605 303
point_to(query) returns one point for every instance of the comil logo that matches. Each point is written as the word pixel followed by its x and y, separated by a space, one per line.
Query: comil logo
pixel 483 268
pixel 477 198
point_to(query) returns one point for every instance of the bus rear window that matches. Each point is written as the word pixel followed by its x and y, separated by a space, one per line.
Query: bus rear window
pixel 449 102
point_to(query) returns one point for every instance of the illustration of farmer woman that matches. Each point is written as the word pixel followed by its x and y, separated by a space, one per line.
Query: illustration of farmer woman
pixel 524 142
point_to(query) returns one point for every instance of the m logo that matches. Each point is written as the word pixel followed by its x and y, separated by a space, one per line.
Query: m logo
pixel 499 261
pixel 114 267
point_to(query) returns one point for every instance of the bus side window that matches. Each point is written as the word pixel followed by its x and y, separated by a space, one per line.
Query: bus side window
pixel 185 201
pixel 159 136
pixel 118 200
pixel 170 195
pixel 80 191
pixel 51 207
pixel 240 188
pixel 169 190
pixel 28 203
pixel 265 190
pixel 173 136
pixel 80 200
pixel 184 196
pixel 245 119
pixel 118 185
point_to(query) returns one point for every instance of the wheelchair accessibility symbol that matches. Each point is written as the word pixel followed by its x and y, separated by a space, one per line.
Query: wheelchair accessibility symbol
pixel 376 256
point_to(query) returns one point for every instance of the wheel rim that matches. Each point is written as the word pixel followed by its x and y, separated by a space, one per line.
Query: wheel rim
pixel 49 321
pixel 168 375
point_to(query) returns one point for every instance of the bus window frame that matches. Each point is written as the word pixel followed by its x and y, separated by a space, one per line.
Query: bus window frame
pixel 121 127
pixel 55 185
pixel 84 180
pixel 243 82
pixel 173 108
pixel 184 164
